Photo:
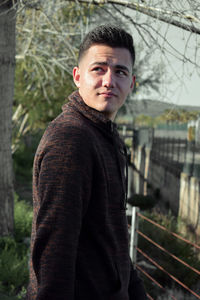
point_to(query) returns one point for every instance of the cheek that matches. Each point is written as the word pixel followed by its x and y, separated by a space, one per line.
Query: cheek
pixel 125 87
pixel 89 81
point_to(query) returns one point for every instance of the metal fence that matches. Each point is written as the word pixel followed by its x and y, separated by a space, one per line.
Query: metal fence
pixel 154 263
pixel 170 152
pixel 179 154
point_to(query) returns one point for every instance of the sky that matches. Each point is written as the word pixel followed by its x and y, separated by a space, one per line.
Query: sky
pixel 181 82
pixel 187 92
pixel 190 93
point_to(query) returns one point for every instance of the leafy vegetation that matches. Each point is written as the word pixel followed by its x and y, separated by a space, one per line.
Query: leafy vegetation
pixel 181 116
pixel 14 253
pixel 178 115
pixel 45 58
pixel 23 157
pixel 23 220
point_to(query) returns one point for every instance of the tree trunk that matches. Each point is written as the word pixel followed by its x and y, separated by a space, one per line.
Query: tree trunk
pixel 7 67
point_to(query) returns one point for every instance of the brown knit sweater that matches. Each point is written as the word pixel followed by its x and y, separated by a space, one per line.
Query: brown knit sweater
pixel 79 245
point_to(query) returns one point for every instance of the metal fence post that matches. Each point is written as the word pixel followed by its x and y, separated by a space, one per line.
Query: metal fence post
pixel 134 235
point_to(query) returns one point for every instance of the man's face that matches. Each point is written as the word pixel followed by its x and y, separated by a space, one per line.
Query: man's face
pixel 104 78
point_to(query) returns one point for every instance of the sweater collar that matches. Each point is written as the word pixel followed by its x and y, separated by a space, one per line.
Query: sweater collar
pixel 76 101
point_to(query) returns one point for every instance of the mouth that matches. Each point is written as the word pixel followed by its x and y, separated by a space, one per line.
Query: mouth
pixel 107 94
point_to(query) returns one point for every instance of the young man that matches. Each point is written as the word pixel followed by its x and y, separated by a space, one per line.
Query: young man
pixel 79 236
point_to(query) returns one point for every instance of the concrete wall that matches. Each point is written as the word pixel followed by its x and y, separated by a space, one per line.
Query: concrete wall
pixel 189 208
pixel 162 177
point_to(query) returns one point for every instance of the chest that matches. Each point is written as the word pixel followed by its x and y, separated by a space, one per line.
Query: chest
pixel 110 174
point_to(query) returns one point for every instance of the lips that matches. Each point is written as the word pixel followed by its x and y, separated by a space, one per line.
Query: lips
pixel 107 94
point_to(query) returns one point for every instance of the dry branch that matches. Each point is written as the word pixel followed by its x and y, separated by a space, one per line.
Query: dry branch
pixel 164 15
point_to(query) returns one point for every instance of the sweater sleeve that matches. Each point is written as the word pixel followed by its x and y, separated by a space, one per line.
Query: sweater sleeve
pixel 136 288
pixel 62 186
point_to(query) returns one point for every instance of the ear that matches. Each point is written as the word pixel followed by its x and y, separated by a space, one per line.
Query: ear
pixel 76 76
pixel 132 82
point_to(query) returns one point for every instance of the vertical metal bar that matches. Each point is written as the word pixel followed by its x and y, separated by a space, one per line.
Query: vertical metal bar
pixel 124 130
pixel 173 147
pixel 178 152
pixel 134 235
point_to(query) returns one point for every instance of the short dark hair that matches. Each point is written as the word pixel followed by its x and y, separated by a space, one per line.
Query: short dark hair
pixel 109 35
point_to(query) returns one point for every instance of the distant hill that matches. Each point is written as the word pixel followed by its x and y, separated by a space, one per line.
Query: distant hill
pixel 155 108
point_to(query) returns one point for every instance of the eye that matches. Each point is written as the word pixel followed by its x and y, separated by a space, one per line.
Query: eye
pixel 97 69
pixel 121 73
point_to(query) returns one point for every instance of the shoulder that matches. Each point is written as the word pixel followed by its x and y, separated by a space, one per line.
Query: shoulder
pixel 67 128
pixel 66 137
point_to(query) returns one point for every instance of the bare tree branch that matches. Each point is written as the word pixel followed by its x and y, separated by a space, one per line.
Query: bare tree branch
pixel 164 15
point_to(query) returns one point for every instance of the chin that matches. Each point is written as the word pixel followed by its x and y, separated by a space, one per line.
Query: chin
pixel 105 110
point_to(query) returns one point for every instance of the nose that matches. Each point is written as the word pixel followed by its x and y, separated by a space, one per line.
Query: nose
pixel 108 79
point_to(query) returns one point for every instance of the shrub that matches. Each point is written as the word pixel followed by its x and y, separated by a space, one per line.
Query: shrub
pixel 14 252
pixel 13 265
pixel 23 219
pixel 23 157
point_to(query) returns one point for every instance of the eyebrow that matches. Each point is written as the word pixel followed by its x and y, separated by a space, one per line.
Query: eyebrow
pixel 102 63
